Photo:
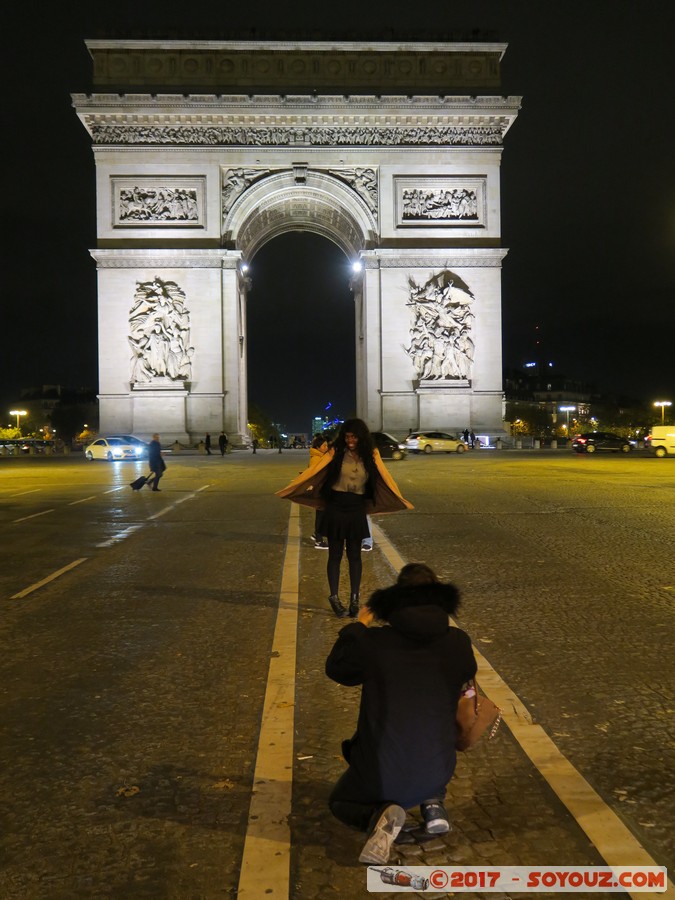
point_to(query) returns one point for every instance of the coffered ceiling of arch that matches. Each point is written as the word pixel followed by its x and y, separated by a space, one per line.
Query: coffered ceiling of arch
pixel 300 209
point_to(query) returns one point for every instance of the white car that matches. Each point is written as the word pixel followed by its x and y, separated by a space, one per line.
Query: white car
pixel 112 448
pixel 434 442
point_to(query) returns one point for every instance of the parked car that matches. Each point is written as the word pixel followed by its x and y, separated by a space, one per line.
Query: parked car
pixel 112 448
pixel 600 440
pixel 661 440
pixel 388 446
pixel 434 442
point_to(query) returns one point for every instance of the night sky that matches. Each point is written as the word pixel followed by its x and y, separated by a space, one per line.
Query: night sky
pixel 588 194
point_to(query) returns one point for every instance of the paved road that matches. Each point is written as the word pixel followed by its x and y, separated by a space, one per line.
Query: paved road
pixel 132 683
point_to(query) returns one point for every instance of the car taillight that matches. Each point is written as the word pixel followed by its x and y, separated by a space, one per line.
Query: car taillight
pixel 581 440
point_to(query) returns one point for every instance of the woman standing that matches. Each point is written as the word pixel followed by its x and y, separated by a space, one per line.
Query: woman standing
pixel 349 483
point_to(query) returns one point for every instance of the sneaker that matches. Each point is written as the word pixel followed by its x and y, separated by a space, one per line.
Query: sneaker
pixel 377 848
pixel 435 817
pixel 366 546
pixel 321 544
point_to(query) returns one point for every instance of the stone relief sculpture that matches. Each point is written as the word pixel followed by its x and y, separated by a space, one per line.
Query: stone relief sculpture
pixel 318 136
pixel 158 204
pixel 441 346
pixel 459 203
pixel 363 181
pixel 159 326
pixel 235 182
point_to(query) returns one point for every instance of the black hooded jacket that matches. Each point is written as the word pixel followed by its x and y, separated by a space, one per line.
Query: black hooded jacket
pixel 411 671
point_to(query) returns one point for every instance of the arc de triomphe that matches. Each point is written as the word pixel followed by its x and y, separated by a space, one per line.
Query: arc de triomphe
pixel 205 151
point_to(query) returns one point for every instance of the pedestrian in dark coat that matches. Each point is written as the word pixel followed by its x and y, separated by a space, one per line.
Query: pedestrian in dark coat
pixel 156 462
pixel 412 672
pixel 207 444
pixel 222 443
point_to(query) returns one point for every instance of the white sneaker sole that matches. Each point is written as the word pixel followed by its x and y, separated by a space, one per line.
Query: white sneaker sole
pixel 377 848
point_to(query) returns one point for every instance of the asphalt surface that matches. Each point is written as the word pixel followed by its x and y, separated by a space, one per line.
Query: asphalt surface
pixel 131 684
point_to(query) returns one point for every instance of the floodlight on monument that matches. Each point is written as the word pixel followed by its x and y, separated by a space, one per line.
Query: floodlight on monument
pixel 663 404
pixel 243 268
pixel 357 266
pixel 18 413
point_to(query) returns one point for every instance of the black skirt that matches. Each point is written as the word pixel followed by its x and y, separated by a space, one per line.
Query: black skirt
pixel 344 517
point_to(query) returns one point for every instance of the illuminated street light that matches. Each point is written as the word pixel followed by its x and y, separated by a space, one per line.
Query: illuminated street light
pixel 18 413
pixel 567 410
pixel 663 404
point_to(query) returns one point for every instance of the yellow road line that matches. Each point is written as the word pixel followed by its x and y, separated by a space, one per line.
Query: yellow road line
pixel 615 843
pixel 265 868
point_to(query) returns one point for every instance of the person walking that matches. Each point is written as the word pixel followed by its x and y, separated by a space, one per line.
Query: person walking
pixel 156 462
pixel 465 435
pixel 254 444
pixel 222 443
pixel 348 483
pixel 411 674
pixel 207 444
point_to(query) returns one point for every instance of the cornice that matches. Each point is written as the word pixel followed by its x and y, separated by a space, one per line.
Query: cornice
pixel 178 259
pixel 295 120
pixel 383 258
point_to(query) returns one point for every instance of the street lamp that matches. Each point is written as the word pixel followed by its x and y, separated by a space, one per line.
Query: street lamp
pixel 663 404
pixel 567 410
pixel 18 413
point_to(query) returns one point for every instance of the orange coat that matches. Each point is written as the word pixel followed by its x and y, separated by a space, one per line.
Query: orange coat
pixel 305 489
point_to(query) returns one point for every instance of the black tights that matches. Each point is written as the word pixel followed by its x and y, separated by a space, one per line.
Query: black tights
pixel 335 550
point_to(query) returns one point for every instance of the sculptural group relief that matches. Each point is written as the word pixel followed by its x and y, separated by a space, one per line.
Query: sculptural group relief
pixel 159 325
pixel 293 136
pixel 157 201
pixel 441 344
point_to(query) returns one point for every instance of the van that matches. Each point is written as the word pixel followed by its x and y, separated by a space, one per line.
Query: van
pixel 661 440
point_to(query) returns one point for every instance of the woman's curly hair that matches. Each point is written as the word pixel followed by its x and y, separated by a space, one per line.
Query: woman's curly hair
pixel 417 585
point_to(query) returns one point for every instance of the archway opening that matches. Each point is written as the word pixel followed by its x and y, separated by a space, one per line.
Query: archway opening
pixel 301 332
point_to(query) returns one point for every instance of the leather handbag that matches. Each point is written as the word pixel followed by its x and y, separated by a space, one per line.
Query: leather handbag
pixel 475 715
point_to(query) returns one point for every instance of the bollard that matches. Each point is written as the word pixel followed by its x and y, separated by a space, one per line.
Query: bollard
pixel 554 444
pixel 519 444
pixel 498 444
pixel 201 447
pixel 536 444
pixel 176 447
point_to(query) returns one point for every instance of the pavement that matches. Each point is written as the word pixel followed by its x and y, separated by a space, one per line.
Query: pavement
pixel 132 689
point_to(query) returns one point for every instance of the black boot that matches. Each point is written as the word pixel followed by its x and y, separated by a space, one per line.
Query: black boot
pixel 336 606
pixel 354 606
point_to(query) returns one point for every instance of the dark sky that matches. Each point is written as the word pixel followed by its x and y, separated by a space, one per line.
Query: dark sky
pixel 588 191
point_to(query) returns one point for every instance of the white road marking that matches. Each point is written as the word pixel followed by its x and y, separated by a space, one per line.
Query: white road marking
pixel 613 841
pixel 265 868
pixel 83 500
pixel 34 516
pixel 23 493
pixel 120 536
pixel 39 584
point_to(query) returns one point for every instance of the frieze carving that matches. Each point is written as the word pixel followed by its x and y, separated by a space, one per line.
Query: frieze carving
pixel 446 201
pixel 159 325
pixel 446 205
pixel 363 181
pixel 162 204
pixel 157 201
pixel 318 136
pixel 235 182
pixel 441 345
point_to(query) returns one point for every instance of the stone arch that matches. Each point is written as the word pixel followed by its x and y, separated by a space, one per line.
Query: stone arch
pixel 300 200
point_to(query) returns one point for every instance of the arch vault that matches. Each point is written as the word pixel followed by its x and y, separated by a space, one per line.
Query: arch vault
pixel 204 152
